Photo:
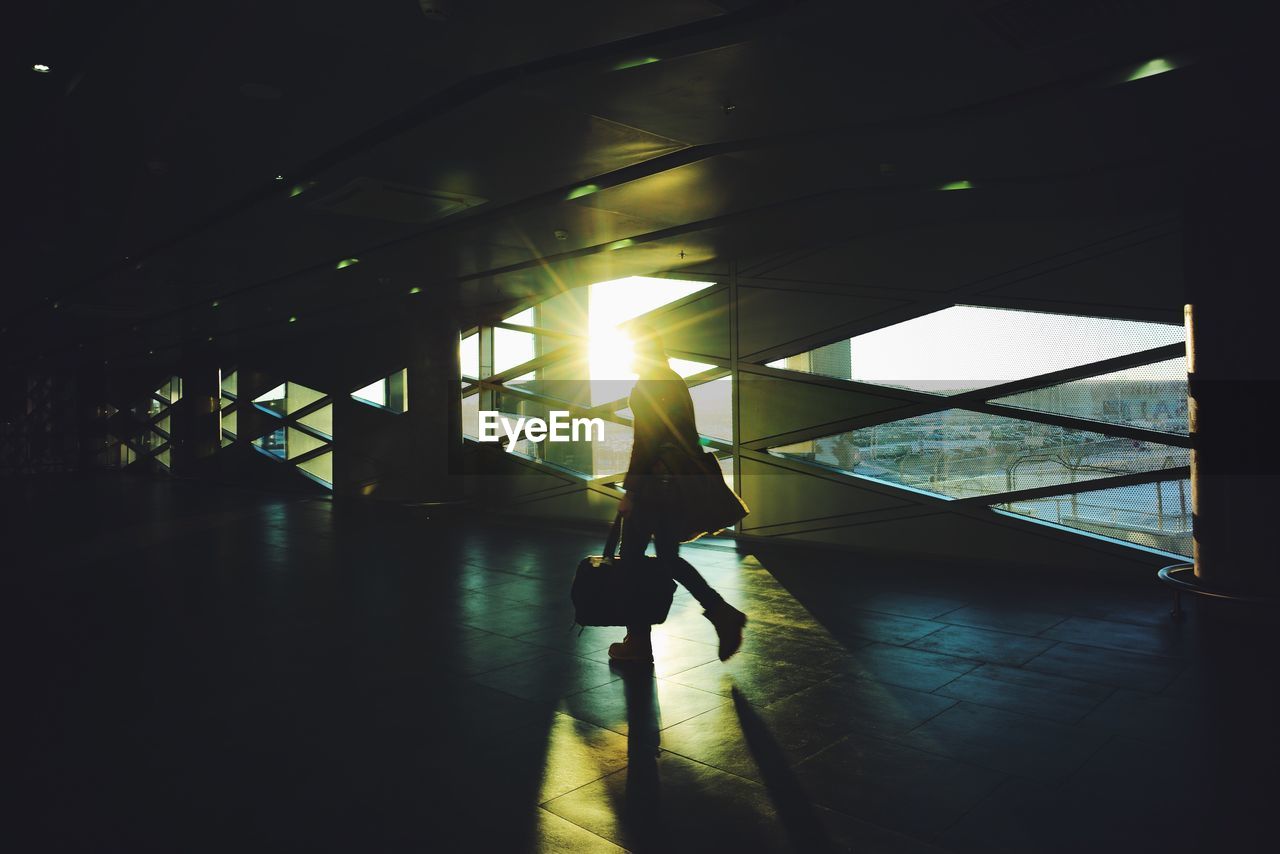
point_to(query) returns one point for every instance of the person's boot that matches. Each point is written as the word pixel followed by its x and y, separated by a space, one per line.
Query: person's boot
pixel 631 651
pixel 728 621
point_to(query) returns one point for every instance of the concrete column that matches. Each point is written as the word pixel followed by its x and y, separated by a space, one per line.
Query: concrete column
pixel 430 337
pixel 194 418
pixel 1234 370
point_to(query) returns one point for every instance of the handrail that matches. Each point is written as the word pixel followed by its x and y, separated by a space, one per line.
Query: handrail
pixel 1170 575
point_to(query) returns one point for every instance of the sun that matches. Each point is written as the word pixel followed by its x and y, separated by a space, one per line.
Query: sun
pixel 615 302
pixel 609 354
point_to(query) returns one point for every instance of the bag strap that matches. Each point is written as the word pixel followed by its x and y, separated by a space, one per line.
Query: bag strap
pixel 615 533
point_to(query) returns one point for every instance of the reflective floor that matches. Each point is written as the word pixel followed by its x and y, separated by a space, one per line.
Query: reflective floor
pixel 209 669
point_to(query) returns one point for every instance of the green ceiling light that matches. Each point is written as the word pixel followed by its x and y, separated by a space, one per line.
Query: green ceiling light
pixel 635 62
pixel 1150 69
pixel 346 262
pixel 293 318
pixel 620 244
pixel 299 189
pixel 584 190
pixel 962 184
pixel 415 290
pixel 39 68
pixel 215 304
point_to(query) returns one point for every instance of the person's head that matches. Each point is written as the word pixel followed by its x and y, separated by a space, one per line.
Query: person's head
pixel 647 351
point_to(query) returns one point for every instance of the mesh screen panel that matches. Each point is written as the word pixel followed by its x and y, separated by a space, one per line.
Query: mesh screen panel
pixel 960 454
pixel 1156 515
pixel 1151 396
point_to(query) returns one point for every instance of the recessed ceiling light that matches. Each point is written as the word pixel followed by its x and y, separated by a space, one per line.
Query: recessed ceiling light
pixel 584 190
pixel 415 290
pixel 635 61
pixel 962 184
pixel 1151 69
pixel 293 318
pixel 41 69
pixel 346 262
pixel 215 303
pixel 279 177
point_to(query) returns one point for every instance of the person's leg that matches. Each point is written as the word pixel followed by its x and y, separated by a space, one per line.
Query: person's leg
pixel 727 620
pixel 668 550
pixel 637 528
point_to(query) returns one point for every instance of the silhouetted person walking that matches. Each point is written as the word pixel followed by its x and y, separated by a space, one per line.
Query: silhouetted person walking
pixel 665 439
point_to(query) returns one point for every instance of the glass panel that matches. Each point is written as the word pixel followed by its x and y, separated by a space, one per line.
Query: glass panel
pixel 299 443
pixel 511 349
pixel 273 443
pixel 321 420
pixel 968 347
pixel 299 397
pixel 171 391
pixel 621 300
pixel 686 369
pixel 469 356
pixel 471 416
pixel 613 455
pixel 375 393
pixel 726 468
pixel 398 391
pixel 524 318
pixel 288 398
pixel 230 384
pixel 613 304
pixel 389 393
pixel 229 423
pixel 320 467
pixel 163 425
pixel 273 400
pixel 713 408
pixel 1151 396
pixel 959 454
pixel 1156 515
pixel 163 458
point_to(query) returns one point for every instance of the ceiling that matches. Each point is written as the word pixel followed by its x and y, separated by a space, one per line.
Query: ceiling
pixel 198 171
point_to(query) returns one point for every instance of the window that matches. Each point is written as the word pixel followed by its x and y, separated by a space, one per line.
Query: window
pixel 1155 515
pixel 960 454
pixel 587 363
pixel 303 437
pixel 1150 396
pixel 969 347
pixel 389 393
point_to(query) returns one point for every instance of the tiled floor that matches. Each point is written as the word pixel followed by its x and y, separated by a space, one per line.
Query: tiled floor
pixel 209 669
